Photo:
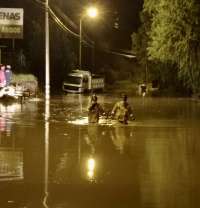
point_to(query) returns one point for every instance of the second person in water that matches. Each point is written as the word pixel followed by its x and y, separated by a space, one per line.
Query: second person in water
pixel 122 111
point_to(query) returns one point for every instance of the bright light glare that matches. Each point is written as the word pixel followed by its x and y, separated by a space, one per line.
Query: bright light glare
pixel 91 167
pixel 91 164
pixel 90 174
pixel 92 12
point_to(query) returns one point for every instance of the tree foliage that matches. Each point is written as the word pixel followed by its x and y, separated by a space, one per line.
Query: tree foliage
pixel 174 37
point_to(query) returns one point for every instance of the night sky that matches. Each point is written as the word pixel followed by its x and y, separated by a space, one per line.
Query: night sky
pixel 128 21
pixel 116 22
pixel 120 19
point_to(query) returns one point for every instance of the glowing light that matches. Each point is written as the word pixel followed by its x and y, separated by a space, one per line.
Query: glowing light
pixel 90 167
pixel 91 164
pixel 90 174
pixel 92 12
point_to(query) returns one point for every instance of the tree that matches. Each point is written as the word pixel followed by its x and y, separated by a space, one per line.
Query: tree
pixel 140 43
pixel 174 37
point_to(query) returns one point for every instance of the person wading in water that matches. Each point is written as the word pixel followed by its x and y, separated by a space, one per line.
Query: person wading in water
pixel 122 111
pixel 94 110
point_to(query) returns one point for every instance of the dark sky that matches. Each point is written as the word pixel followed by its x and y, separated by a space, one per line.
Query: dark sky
pixel 128 11
pixel 119 18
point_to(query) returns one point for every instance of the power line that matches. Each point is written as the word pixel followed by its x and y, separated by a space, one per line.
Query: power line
pixel 61 24
pixel 66 29
pixel 56 19
pixel 39 2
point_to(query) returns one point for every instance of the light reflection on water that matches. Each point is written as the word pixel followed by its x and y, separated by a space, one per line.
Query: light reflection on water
pixel 152 162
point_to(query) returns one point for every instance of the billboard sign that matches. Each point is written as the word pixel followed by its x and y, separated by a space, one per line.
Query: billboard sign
pixel 11 23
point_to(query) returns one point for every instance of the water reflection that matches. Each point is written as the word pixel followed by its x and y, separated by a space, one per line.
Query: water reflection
pixel 120 136
pixel 11 164
pixel 7 111
pixel 91 139
pixel 46 151
pixel 153 163
pixel 24 155
pixel 90 168
pixel 11 157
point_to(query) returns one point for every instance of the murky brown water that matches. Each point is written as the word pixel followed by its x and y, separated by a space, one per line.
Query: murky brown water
pixel 152 162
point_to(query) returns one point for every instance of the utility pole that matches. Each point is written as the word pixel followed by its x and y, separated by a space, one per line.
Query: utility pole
pixel 80 44
pixel 47 104
pixel 47 74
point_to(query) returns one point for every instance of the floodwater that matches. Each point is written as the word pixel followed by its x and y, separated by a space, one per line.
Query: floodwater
pixel 49 158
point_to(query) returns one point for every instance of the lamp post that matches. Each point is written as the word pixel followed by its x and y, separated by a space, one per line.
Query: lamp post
pixel 92 13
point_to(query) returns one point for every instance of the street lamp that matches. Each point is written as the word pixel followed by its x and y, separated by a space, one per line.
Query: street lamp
pixel 92 13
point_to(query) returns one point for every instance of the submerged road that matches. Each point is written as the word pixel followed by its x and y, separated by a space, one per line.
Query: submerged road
pixel 153 162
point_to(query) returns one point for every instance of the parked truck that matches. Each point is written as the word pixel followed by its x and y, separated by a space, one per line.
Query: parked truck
pixel 80 81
